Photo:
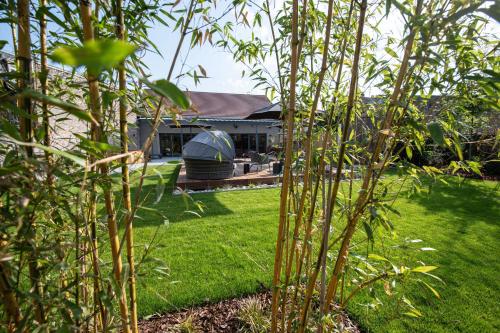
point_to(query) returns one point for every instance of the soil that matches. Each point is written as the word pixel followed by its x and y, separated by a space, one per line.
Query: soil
pixel 221 317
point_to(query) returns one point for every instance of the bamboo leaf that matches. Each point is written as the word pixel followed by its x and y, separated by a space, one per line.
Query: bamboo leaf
pixel 51 100
pixel 423 269
pixel 391 52
pixel 436 132
pixel 78 160
pixel 434 291
pixel 376 257
pixel 95 55
pixel 170 91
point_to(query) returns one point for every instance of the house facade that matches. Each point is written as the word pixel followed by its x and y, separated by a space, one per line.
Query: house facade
pixel 252 121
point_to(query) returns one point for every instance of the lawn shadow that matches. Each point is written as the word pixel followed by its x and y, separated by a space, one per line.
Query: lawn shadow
pixel 174 208
pixel 462 198
pixel 470 235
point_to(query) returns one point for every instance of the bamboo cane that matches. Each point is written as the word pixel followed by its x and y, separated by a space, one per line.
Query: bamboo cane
pixel 381 138
pixel 88 33
pixel 9 298
pixel 26 128
pixel 120 27
pixel 43 85
pixel 308 150
pixel 24 66
pixel 286 172
pixel 12 26
pixel 350 105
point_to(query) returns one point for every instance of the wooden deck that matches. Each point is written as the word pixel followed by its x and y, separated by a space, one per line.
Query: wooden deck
pixel 255 177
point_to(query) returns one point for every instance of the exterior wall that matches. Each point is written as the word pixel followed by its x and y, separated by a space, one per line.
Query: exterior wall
pixel 229 126
pixel 64 126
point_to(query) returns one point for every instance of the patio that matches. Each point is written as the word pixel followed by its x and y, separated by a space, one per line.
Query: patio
pixel 258 175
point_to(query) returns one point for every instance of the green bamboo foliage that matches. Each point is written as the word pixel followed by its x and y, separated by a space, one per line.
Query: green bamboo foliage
pixel 351 144
pixel 62 213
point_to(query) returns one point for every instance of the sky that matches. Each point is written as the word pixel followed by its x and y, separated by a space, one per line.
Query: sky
pixel 224 74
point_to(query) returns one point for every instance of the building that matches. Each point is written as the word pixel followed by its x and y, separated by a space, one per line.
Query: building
pixel 250 120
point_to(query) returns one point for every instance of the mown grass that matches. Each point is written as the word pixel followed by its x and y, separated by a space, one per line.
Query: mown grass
pixel 229 251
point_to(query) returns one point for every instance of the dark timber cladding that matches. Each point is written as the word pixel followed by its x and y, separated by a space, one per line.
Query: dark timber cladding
pixel 251 121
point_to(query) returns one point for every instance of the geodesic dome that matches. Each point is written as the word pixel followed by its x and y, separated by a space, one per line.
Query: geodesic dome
pixel 209 155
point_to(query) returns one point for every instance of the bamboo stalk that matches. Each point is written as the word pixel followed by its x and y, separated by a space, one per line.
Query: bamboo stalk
pixel 326 226
pixel 24 67
pixel 381 138
pixel 95 104
pixel 102 322
pixel 43 86
pixel 26 129
pixel 321 168
pixel 122 86
pixel 286 172
pixel 308 149
pixel 13 28
pixel 9 298
pixel 189 16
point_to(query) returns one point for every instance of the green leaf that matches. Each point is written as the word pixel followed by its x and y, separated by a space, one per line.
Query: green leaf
pixel 160 187
pixel 391 52
pixel 69 107
pixel 436 132
pixel 170 91
pixel 423 269
pixel 78 160
pixel 369 231
pixel 387 7
pixel 95 55
pixel 409 152
pixel 414 313
pixel 376 257
pixel 431 289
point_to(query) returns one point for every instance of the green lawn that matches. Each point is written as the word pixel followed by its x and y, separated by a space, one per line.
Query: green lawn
pixel 229 252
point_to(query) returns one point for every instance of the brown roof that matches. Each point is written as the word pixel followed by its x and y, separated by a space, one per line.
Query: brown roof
pixel 223 105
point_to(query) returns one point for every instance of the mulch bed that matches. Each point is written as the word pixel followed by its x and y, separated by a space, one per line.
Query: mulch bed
pixel 216 317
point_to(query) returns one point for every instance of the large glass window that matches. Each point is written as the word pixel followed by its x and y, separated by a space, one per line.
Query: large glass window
pixel 170 144
pixel 240 143
pixel 262 143
pixel 187 137
pixel 253 142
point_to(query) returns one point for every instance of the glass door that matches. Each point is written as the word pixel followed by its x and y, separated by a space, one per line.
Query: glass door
pixel 170 144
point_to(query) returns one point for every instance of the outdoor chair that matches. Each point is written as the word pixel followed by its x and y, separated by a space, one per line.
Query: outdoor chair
pixel 260 159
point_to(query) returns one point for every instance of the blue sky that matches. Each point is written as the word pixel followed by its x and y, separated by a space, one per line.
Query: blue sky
pixel 224 74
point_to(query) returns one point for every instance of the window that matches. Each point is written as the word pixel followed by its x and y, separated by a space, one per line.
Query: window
pixel 253 142
pixel 262 143
pixel 187 137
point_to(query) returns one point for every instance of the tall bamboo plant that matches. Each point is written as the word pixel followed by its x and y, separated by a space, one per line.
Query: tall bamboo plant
pixel 348 148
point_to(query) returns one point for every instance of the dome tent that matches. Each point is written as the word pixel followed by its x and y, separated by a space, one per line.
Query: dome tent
pixel 209 155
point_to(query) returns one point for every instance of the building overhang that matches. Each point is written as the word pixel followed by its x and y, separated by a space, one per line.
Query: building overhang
pixel 193 122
